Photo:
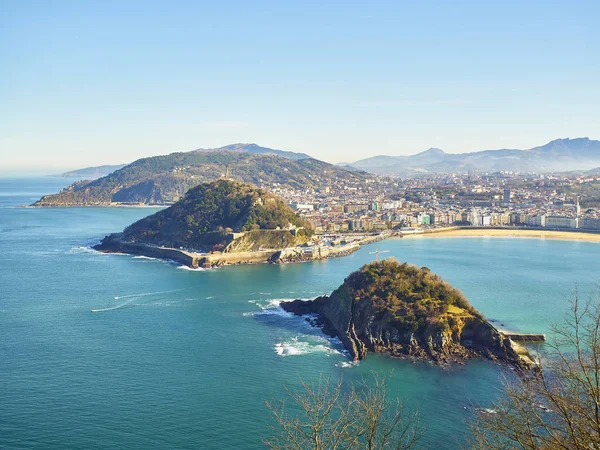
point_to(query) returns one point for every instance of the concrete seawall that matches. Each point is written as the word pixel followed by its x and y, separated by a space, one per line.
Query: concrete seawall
pixel 113 244
pixel 524 337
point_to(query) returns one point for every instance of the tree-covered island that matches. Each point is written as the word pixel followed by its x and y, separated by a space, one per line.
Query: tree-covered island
pixel 404 310
pixel 222 222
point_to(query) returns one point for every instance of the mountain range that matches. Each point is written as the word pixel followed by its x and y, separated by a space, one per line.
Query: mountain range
pixel 256 150
pixel 556 156
pixel 163 180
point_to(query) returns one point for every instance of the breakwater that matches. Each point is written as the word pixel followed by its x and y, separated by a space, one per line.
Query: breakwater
pixel 524 337
pixel 113 244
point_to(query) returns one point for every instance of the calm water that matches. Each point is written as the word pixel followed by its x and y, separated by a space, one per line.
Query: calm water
pixel 175 358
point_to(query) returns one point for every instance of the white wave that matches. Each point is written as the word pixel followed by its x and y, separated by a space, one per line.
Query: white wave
pixel 274 312
pixel 295 347
pixel 312 340
pixel 89 249
pixel 197 269
pixel 275 303
pixel 346 364
pixel 85 249
pixel 272 308
pixel 144 257
pixel 487 410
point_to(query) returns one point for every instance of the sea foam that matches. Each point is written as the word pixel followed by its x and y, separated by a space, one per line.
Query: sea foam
pixel 192 269
pixel 296 347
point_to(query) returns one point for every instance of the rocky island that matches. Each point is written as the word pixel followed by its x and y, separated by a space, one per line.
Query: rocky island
pixel 404 310
pixel 223 222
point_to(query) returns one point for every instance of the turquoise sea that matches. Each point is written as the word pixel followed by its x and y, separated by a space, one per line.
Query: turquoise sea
pixel 180 359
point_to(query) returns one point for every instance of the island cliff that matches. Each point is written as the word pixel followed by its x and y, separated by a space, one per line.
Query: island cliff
pixel 403 310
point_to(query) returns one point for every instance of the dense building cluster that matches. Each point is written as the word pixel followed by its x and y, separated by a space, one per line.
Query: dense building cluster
pixel 563 201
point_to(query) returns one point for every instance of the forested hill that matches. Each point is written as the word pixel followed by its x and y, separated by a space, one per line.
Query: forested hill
pixel 165 179
pixel 402 309
pixel 210 212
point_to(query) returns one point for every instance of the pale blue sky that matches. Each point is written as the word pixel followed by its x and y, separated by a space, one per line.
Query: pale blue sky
pixel 100 82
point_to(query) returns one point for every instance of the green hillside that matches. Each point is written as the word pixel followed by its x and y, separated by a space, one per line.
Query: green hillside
pixel 209 213
pixel 401 309
pixel 161 180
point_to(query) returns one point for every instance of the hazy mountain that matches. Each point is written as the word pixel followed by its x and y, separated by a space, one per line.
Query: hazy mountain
pixel 558 155
pixel 255 150
pixel 91 173
pixel 165 179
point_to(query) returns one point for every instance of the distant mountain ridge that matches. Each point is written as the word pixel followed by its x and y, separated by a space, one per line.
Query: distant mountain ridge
pixel 256 150
pixel 556 156
pixel 95 172
pixel 163 180
pixel 91 173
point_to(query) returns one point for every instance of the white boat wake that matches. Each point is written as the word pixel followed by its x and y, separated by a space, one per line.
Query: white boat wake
pixel 132 297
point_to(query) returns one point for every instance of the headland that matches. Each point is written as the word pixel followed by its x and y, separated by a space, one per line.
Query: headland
pixel 227 222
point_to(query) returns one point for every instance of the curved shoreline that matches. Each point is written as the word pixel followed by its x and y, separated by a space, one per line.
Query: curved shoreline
pixel 508 232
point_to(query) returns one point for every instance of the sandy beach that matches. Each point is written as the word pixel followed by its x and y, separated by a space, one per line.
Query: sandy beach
pixel 507 232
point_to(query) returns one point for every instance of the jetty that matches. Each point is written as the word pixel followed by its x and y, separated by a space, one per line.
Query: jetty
pixel 524 337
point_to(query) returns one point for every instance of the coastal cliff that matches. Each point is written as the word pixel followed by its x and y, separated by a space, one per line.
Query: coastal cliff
pixel 403 310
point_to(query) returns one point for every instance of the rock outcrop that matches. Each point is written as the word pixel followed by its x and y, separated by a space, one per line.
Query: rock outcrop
pixel 403 310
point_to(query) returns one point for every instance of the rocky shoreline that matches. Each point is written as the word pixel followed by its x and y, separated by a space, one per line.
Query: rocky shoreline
pixel 476 340
pixel 406 311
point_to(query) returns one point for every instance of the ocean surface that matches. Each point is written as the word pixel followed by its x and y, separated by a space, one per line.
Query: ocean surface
pixel 112 351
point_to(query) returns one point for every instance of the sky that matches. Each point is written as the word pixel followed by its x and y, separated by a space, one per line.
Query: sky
pixel 105 82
